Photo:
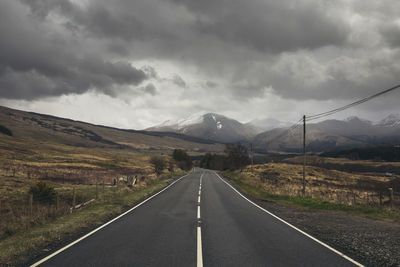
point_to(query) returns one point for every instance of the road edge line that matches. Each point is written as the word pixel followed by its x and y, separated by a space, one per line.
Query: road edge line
pixel 292 226
pixel 103 225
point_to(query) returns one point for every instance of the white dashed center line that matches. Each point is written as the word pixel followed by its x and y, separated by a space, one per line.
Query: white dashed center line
pixel 199 245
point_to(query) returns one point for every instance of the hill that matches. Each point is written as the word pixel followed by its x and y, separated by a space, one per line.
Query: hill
pixel 28 127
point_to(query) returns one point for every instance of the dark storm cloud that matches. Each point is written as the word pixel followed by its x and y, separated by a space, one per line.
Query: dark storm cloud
pixel 300 49
pixel 36 62
pixel 268 25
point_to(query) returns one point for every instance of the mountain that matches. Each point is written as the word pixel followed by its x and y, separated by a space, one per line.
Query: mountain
pixel 392 120
pixel 210 126
pixel 19 127
pixel 267 124
pixel 331 134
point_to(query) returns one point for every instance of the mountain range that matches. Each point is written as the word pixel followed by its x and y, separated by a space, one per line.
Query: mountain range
pixel 273 135
pixel 210 126
pixel 18 128
pixel 199 133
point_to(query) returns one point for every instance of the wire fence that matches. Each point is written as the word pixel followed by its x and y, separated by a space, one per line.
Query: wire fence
pixel 29 209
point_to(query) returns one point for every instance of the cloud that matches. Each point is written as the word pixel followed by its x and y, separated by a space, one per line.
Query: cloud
pixel 150 89
pixel 391 34
pixel 176 79
pixel 37 60
pixel 271 26
pixel 207 55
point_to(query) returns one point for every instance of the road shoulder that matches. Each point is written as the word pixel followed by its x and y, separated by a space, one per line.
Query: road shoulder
pixel 371 242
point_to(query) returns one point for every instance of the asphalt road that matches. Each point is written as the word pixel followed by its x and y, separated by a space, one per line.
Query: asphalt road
pixel 173 229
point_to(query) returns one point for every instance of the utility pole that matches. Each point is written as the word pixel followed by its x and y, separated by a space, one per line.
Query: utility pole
pixel 251 155
pixel 304 155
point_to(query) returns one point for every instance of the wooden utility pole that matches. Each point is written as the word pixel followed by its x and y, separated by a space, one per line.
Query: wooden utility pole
pixel 304 155
pixel 251 155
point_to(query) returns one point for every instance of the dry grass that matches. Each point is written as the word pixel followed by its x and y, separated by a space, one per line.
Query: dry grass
pixel 19 247
pixel 347 165
pixel 330 185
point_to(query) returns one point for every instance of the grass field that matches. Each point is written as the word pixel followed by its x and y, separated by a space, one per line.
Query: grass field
pixel 26 243
pixel 98 173
pixel 325 189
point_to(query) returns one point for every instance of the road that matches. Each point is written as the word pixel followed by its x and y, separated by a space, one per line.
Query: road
pixel 199 220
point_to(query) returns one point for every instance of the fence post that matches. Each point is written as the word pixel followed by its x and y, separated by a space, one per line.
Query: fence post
pixel 391 197
pixel 73 198
pixel 97 188
pixel 57 203
pixel 30 204
pixel 104 197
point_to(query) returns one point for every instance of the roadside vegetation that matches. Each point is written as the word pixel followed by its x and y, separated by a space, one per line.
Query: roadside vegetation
pixel 27 243
pixel 51 192
pixel 356 194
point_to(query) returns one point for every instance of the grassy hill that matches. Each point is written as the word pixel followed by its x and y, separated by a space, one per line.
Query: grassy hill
pixel 27 127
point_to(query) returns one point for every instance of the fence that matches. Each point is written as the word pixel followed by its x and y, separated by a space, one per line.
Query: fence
pixel 26 210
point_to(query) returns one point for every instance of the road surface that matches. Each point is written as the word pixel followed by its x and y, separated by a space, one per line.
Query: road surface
pixel 198 221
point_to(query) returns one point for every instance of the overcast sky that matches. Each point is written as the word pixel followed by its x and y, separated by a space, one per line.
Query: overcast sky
pixel 134 64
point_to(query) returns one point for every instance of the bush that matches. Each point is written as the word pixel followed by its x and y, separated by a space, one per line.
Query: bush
pixel 158 163
pixel 43 192
pixel 5 130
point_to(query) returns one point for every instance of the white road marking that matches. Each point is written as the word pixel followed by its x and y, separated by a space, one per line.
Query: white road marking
pixel 199 245
pixel 104 225
pixel 199 248
pixel 292 226
pixel 198 212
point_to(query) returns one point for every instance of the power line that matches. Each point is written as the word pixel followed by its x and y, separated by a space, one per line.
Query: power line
pixel 358 102
pixel 290 129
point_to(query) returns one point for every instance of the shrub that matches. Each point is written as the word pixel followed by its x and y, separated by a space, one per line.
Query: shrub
pixel 43 192
pixel 5 130
pixel 158 163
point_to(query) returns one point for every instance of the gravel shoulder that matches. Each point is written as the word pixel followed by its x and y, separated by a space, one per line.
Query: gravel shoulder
pixel 368 241
pixel 371 242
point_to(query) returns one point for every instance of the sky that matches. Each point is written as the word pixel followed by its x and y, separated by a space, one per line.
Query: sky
pixel 134 64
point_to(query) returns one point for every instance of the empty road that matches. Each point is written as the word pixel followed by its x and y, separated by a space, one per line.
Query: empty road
pixel 198 221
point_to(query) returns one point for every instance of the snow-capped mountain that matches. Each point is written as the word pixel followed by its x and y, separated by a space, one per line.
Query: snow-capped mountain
pixel 393 120
pixel 321 136
pixel 332 134
pixel 210 126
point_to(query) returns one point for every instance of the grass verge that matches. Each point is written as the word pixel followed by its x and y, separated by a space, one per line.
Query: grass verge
pixel 311 203
pixel 21 247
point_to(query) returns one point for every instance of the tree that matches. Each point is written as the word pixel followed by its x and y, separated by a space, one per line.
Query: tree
pixel 184 161
pixel 158 163
pixel 238 156
pixel 214 162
